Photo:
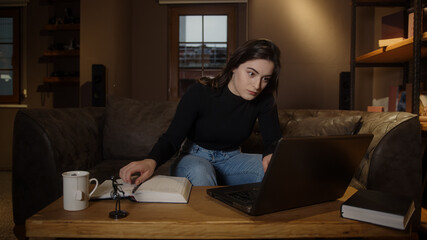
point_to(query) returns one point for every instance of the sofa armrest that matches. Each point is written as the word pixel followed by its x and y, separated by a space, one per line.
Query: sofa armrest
pixel 398 154
pixel 47 142
pixel 394 159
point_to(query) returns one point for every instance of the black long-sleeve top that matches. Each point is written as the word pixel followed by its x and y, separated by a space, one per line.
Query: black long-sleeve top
pixel 218 120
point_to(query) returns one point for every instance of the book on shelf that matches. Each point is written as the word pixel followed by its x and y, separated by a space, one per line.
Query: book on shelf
pixel 423 106
pixel 380 208
pixel 381 102
pixel 389 41
pixel 159 188
pixel 411 22
pixel 393 25
pixel 375 109
pixel 392 28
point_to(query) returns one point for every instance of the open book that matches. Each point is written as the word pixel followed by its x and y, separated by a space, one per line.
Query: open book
pixel 165 189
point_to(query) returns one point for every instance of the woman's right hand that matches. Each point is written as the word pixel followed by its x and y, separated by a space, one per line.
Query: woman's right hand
pixel 144 167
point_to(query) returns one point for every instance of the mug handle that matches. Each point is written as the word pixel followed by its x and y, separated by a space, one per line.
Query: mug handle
pixel 96 186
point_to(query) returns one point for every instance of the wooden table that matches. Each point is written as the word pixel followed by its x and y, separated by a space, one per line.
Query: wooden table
pixel 203 217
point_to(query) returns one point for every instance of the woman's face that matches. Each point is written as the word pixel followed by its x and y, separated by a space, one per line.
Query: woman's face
pixel 250 78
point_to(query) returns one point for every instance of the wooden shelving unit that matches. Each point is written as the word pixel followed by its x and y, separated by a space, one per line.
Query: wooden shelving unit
pixel 62 54
pixel 394 53
pixel 398 54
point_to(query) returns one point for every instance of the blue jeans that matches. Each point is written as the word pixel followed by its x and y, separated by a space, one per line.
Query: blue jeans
pixel 205 167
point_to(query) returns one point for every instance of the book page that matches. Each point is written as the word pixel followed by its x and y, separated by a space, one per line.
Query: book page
pixel 164 189
pixel 163 184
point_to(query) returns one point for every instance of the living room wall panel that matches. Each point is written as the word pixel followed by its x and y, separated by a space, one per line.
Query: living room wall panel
pixel 37 16
pixel 149 50
pixel 105 39
pixel 314 37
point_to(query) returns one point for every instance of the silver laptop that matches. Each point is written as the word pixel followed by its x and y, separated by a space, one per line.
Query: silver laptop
pixel 303 171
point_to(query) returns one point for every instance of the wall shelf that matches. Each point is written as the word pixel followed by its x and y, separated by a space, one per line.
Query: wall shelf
pixel 394 53
pixel 62 54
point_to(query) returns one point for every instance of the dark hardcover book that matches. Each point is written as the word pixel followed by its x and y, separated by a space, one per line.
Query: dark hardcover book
pixel 381 208
pixel 394 25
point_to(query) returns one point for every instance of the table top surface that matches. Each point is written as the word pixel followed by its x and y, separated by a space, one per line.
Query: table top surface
pixel 202 217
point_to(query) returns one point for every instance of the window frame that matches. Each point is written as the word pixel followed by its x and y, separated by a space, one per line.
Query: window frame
pixel 15 13
pixel 173 30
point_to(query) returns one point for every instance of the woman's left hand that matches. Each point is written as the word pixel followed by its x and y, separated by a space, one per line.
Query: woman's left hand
pixel 266 161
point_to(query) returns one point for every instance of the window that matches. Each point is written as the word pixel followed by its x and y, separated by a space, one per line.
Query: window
pixel 9 55
pixel 202 37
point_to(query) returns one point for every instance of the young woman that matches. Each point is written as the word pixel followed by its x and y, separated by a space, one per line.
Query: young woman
pixel 215 116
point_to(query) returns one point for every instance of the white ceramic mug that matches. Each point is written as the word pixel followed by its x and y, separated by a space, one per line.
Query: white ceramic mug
pixel 76 190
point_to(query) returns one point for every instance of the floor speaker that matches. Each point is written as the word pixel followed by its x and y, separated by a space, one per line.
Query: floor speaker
pixel 98 85
pixel 345 91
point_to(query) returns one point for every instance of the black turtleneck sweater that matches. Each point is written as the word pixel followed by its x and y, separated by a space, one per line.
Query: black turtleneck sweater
pixel 218 120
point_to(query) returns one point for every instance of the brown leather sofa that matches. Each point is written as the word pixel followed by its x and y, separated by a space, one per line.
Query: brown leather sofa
pixel 47 142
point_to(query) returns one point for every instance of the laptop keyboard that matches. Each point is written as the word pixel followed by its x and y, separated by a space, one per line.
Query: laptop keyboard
pixel 248 196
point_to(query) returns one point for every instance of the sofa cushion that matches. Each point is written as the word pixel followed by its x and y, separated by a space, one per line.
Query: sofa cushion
pixel 132 127
pixel 323 125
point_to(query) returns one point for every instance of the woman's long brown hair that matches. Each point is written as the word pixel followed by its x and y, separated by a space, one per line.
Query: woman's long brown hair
pixel 251 50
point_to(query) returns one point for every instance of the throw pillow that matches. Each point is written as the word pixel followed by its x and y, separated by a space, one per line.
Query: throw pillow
pixel 132 127
pixel 320 126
